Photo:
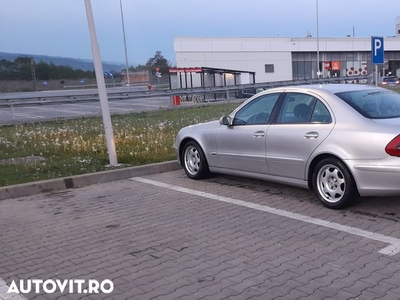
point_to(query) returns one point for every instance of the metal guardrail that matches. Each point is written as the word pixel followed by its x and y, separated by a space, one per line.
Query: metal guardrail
pixel 229 92
pixel 40 99
pixel 200 94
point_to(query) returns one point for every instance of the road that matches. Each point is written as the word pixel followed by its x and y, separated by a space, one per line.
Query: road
pixel 68 92
pixel 48 111
pixel 166 237
pixel 43 111
pixel 37 113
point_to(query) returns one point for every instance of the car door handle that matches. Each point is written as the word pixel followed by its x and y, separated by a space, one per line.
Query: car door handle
pixel 259 134
pixel 311 135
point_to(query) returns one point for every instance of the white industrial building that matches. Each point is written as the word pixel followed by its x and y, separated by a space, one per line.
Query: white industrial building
pixel 283 58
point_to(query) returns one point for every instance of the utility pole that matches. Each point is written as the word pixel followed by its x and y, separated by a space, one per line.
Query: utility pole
pixel 126 52
pixel 101 86
pixel 319 71
pixel 33 73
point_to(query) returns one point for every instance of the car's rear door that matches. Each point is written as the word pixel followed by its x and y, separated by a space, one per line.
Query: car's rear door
pixel 294 135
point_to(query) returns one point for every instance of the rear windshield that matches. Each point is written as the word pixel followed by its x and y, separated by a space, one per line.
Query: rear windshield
pixel 373 104
pixel 390 79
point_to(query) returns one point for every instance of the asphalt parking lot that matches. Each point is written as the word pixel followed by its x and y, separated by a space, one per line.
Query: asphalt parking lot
pixel 164 236
pixel 45 112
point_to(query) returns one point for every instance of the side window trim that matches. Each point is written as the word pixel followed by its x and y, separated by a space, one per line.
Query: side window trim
pixel 301 108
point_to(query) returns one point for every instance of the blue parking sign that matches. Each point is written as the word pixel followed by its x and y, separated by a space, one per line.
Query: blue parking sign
pixel 377 50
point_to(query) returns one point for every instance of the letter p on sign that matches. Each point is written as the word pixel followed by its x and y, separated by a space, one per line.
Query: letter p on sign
pixel 377 50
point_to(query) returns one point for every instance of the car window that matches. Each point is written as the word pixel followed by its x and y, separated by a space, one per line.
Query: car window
pixel 390 79
pixel 303 108
pixel 320 114
pixel 257 111
pixel 296 108
pixel 373 104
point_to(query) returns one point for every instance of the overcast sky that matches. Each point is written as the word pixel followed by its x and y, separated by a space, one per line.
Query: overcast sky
pixel 60 28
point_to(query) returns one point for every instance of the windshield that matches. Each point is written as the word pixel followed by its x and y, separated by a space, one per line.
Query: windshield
pixel 373 104
pixel 390 79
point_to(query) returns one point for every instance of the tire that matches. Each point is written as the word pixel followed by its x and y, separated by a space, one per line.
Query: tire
pixel 333 184
pixel 194 161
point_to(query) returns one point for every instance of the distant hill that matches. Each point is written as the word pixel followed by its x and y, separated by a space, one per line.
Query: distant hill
pixel 74 63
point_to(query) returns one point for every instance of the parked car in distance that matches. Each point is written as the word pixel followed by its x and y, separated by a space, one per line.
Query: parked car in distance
pixel 389 80
pixel 249 92
pixel 340 140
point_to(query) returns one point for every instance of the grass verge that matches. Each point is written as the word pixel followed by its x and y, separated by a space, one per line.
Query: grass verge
pixel 78 146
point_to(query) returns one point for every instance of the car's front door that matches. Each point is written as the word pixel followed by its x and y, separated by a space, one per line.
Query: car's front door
pixel 302 124
pixel 241 147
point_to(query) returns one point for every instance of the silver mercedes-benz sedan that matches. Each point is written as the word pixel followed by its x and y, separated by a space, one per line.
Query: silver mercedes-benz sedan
pixel 340 140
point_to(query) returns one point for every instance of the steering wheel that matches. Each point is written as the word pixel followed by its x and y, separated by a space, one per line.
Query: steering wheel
pixel 260 118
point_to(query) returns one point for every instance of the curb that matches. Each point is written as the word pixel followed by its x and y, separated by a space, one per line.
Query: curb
pixel 33 188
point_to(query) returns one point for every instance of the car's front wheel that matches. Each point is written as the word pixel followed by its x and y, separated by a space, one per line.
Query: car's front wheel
pixel 194 161
pixel 333 184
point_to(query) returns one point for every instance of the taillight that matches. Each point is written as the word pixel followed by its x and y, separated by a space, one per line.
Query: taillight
pixel 393 148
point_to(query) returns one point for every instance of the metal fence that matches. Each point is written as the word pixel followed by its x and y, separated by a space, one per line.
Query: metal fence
pixel 197 95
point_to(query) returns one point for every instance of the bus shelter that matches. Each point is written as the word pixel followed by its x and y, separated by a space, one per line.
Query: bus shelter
pixel 194 77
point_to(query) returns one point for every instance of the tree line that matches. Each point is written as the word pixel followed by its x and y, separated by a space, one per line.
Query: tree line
pixel 25 68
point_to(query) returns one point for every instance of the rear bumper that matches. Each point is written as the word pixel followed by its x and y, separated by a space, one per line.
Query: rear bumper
pixel 377 179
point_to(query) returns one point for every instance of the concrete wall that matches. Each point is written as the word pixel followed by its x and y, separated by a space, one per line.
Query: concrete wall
pixel 252 54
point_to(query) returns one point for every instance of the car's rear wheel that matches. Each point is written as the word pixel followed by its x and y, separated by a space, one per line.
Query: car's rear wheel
pixel 194 161
pixel 333 184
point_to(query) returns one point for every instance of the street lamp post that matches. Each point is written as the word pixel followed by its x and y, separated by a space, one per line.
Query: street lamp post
pixel 126 52
pixel 101 86
pixel 319 71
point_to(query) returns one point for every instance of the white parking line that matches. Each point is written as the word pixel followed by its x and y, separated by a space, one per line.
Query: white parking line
pixel 68 111
pixel 9 296
pixel 29 116
pixel 392 249
pixel 62 110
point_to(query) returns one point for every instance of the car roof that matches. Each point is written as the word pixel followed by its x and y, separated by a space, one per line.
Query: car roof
pixel 331 87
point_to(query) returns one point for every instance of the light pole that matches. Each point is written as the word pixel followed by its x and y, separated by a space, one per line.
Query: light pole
pixel 319 71
pixel 101 86
pixel 126 52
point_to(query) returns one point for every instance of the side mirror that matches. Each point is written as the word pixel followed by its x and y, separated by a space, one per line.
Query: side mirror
pixel 226 120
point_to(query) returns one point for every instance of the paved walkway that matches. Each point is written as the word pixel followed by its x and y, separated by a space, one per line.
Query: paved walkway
pixel 164 236
pixel 5 295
